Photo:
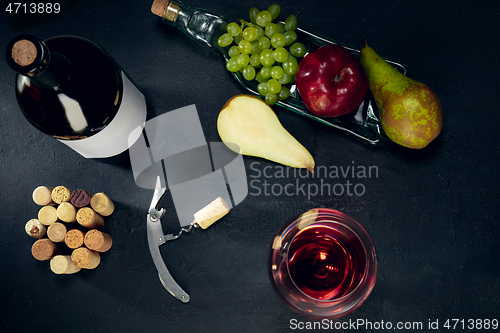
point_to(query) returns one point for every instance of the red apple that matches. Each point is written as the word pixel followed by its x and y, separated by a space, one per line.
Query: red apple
pixel 331 81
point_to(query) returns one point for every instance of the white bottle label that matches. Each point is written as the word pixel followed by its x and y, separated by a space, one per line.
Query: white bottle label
pixel 114 139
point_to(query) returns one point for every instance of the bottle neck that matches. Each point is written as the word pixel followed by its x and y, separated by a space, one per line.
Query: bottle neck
pixel 198 24
pixel 31 57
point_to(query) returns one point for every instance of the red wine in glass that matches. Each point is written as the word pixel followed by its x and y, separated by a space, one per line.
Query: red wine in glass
pixel 322 263
pixel 326 261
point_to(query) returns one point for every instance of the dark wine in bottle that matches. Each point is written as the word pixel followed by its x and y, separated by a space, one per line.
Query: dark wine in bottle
pixel 71 89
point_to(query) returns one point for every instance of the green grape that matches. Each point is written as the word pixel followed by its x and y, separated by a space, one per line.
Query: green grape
pixel 264 43
pixel 255 60
pixel 287 78
pixel 250 33
pixel 278 40
pixel 271 99
pixel 234 51
pixel 262 88
pixel 280 54
pixel 259 78
pixel 253 14
pixel 290 37
pixel 290 65
pixel 284 93
pixel 274 10
pixel 249 72
pixel 281 26
pixel 291 23
pixel 277 72
pixel 245 47
pixel 271 29
pixel 260 32
pixel 261 44
pixel 255 47
pixel 225 40
pixel 232 65
pixel 267 57
pixel 263 18
pixel 298 50
pixel 273 86
pixel 265 72
pixel 243 60
pixel 233 29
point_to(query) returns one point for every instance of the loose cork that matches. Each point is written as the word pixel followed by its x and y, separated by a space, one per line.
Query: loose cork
pixel 62 264
pixel 102 204
pixel 85 258
pixel 56 232
pixel 43 249
pixel 89 218
pixel 47 215
pixel 24 52
pixel 61 194
pixel 80 198
pixel 211 213
pixel 74 238
pixel 42 196
pixel 165 9
pixel 36 229
pixel 66 212
pixel 98 241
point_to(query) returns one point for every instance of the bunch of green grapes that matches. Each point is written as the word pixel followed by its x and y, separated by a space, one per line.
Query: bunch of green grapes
pixel 265 51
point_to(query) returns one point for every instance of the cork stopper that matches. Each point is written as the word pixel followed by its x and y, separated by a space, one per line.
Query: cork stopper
pixel 211 213
pixel 56 232
pixel 165 9
pixel 85 258
pixel 88 218
pixel 102 204
pixel 43 249
pixel 61 194
pixel 24 52
pixel 47 215
pixel 80 198
pixel 74 238
pixel 42 196
pixel 66 212
pixel 62 264
pixel 159 6
pixel 98 241
pixel 35 229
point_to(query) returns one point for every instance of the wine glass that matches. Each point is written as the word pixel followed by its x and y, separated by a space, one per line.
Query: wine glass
pixel 322 263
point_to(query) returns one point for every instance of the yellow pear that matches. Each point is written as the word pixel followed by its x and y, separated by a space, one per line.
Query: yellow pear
pixel 252 125
pixel 410 112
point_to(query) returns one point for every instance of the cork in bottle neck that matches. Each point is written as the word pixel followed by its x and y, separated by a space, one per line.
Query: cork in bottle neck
pixel 24 52
pixel 27 55
pixel 165 9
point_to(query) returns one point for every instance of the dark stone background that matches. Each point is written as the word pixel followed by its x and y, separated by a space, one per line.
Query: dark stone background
pixel 432 214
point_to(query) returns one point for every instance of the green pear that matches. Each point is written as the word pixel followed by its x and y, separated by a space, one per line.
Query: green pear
pixel 252 125
pixel 410 111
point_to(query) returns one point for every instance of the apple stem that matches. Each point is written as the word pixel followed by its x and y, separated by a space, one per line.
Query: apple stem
pixel 339 76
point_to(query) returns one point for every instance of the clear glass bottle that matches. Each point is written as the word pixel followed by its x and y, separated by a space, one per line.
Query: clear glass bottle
pixel 206 27
pixel 71 89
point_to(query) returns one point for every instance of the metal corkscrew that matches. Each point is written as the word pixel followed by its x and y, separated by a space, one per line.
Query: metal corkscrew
pixel 203 218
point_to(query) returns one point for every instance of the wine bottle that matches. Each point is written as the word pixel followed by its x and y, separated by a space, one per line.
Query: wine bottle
pixel 205 27
pixel 71 89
